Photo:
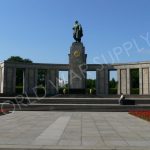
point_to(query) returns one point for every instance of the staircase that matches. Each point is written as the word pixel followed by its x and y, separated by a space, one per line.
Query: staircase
pixel 78 103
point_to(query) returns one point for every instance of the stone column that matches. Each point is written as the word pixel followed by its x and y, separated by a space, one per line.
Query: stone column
pixel 149 82
pixel 106 81
pixel 123 81
pixel 10 81
pixel 145 81
pixel 14 80
pixel 0 78
pixel 100 82
pixel 25 80
pixel 140 81
pixel 48 85
pixel 118 78
pixel 2 82
pixel 35 81
pixel 53 82
pixel 32 81
pixel 128 81
pixel 97 82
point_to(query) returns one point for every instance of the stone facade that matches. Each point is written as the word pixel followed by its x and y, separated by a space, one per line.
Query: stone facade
pixel 77 57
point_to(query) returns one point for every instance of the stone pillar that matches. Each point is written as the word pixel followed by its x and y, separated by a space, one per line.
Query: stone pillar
pixel 0 79
pixel 149 82
pixel 77 70
pixel 25 80
pixel 53 82
pixel 123 81
pixel 14 81
pixel 128 81
pixel 10 81
pixel 100 82
pixel 140 81
pixel 97 82
pixel 118 78
pixel 48 85
pixel 106 81
pixel 145 81
pixel 32 81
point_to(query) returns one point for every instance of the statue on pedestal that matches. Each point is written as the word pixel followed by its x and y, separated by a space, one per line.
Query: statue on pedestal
pixel 78 32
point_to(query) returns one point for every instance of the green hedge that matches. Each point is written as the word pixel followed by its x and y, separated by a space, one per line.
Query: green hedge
pixel 112 90
pixel 134 90
pixel 19 89
pixel 40 91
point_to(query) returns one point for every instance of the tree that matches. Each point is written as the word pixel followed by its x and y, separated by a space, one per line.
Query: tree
pixel 41 77
pixel 18 59
pixel 91 83
pixel 112 83
pixel 113 86
pixel 134 78
pixel 134 81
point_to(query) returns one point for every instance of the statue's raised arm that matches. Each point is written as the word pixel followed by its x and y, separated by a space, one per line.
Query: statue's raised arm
pixel 78 32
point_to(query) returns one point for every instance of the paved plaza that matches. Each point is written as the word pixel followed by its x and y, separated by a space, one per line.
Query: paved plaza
pixel 73 130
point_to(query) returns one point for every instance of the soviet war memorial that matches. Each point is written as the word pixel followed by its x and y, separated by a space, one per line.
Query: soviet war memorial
pixel 75 75
pixel 77 69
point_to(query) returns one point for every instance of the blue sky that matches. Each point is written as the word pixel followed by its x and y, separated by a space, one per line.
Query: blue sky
pixel 41 30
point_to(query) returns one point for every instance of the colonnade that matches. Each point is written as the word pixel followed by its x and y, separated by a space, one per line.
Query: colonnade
pixel 30 75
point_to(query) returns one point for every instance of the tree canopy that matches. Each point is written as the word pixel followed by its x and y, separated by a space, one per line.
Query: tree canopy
pixel 112 83
pixel 134 78
pixel 91 83
pixel 18 59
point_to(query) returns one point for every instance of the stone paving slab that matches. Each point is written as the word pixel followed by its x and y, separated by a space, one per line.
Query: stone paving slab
pixel 73 130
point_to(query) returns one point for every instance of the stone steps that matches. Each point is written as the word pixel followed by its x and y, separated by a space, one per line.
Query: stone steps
pixel 63 100
pixel 76 104
pixel 88 101
pixel 77 107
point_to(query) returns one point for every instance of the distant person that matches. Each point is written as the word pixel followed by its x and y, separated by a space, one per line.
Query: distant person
pixel 121 99
pixel 64 91
pixel 90 91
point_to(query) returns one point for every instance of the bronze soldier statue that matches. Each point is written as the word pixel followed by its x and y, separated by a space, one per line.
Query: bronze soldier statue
pixel 78 33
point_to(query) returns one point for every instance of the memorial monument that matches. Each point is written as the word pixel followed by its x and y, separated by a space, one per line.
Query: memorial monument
pixel 77 73
pixel 77 62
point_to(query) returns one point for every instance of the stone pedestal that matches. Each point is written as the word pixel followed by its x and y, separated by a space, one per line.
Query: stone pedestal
pixel 77 70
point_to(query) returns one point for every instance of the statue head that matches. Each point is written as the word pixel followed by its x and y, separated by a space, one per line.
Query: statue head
pixel 76 22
